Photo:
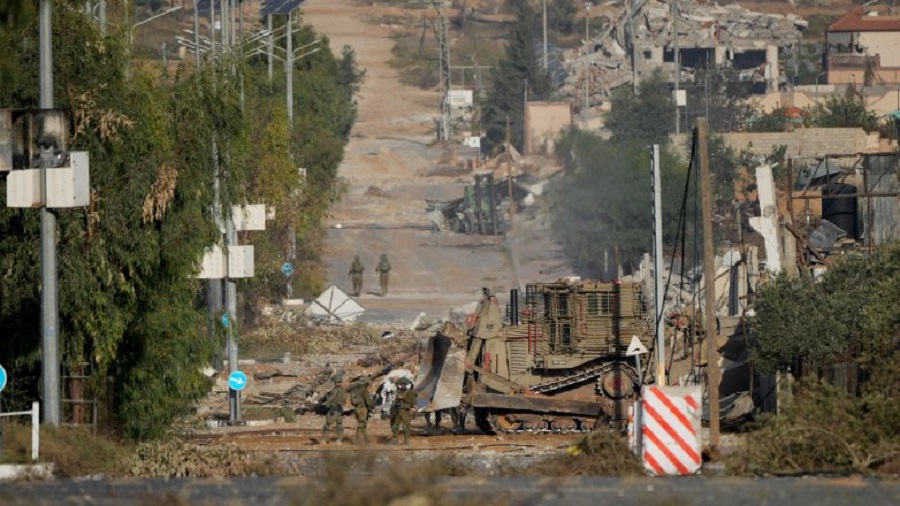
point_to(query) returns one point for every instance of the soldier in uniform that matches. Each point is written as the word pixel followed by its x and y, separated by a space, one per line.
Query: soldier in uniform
pixel 334 403
pixel 401 410
pixel 356 275
pixel 384 267
pixel 362 405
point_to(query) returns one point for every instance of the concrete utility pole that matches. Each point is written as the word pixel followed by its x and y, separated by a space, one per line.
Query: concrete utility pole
pixel 657 268
pixel 587 73
pixel 709 272
pixel 677 64
pixel 270 45
pixel 101 16
pixel 196 33
pixel 512 203
pixel 49 287
pixel 289 68
pixel 546 66
pixel 444 47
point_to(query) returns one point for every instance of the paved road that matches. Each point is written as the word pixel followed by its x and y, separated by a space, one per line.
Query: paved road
pixel 502 491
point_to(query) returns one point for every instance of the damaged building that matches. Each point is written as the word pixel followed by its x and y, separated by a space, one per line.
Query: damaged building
pixel 632 46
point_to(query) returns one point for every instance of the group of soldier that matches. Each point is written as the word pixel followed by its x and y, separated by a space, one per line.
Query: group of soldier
pixel 356 274
pixel 363 403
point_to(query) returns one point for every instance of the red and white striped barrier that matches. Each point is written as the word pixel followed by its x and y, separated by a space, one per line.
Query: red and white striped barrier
pixel 670 429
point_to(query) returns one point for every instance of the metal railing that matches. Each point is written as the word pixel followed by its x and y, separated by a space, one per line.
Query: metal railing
pixel 35 427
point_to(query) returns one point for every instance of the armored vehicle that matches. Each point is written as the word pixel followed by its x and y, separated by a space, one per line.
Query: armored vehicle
pixel 555 363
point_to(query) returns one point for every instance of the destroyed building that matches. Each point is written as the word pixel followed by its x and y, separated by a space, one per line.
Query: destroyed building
pixel 704 33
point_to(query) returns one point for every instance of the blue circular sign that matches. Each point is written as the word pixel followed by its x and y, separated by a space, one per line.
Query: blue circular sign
pixel 2 378
pixel 226 320
pixel 237 381
pixel 287 269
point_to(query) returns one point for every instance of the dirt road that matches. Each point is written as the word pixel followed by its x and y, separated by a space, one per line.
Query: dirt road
pixel 385 168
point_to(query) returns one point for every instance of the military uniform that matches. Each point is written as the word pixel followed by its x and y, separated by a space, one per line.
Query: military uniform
pixel 402 411
pixel 334 403
pixel 362 405
pixel 356 275
pixel 383 270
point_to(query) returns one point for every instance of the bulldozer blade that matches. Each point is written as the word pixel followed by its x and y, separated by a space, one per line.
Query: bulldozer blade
pixel 439 384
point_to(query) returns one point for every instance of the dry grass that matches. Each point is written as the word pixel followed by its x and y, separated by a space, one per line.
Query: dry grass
pixel 600 453
pixel 360 480
pixel 73 451
pixel 824 430
pixel 177 459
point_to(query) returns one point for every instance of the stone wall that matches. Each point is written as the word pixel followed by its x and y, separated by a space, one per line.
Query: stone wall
pixel 802 142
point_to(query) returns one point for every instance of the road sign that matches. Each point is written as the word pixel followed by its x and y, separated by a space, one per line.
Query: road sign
pixel 636 347
pixel 287 269
pixel 237 381
pixel 226 320
pixel 2 378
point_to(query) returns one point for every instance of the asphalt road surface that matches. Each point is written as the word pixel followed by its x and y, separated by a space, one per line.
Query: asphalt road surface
pixel 502 491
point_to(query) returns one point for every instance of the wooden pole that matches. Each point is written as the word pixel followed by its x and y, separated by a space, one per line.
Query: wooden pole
pixel 713 375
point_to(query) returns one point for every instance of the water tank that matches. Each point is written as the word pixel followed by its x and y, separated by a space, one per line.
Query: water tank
pixel 838 209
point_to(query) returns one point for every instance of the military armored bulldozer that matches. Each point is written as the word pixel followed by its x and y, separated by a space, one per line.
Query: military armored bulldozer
pixel 555 363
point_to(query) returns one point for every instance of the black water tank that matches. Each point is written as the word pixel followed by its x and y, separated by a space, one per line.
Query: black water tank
pixel 840 210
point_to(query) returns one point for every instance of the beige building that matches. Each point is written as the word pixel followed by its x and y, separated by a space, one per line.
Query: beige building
pixel 544 121
pixel 860 44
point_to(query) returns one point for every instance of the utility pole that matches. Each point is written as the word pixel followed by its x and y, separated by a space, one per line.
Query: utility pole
pixel 587 64
pixel 546 66
pixel 657 268
pixel 270 45
pixel 630 13
pixel 49 287
pixel 101 16
pixel 713 375
pixel 444 59
pixel 289 68
pixel 677 64
pixel 196 33
pixel 512 203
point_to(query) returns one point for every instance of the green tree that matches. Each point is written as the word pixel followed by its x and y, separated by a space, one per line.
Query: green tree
pixel 561 16
pixel 849 312
pixel 719 94
pixel 645 118
pixel 601 206
pixel 847 110
pixel 128 297
pixel 519 72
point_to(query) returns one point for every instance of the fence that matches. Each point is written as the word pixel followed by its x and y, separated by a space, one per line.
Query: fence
pixel 35 427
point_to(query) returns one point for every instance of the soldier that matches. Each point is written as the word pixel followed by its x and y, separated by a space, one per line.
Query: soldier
pixel 362 405
pixel 334 403
pixel 384 267
pixel 356 275
pixel 401 410
pixel 456 416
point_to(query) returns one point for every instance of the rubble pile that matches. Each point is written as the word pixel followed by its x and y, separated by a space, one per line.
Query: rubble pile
pixel 604 60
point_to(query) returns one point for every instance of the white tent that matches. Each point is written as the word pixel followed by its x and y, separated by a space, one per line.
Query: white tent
pixel 335 306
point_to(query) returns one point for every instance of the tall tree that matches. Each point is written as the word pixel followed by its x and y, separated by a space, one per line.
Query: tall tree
pixel 601 206
pixel 646 117
pixel 518 74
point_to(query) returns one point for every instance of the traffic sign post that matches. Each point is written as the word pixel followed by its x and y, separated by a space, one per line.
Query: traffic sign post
pixel 635 349
pixel 288 270
pixel 237 381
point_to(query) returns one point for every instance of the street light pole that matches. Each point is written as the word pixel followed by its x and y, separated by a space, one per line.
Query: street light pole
pixel 49 288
